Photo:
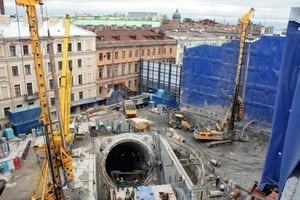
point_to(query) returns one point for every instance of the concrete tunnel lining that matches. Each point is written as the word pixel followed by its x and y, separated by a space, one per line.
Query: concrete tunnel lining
pixel 126 155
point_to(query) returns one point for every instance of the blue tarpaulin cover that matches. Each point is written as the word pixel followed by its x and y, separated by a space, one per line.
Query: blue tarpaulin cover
pixel 209 71
pixel 283 153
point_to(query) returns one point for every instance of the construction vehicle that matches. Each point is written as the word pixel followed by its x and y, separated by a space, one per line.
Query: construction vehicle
pixel 65 90
pixel 219 130
pixel 178 120
pixel 222 131
pixel 129 109
pixel 57 156
pixel 141 100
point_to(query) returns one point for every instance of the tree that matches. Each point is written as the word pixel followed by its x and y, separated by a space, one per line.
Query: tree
pixel 188 20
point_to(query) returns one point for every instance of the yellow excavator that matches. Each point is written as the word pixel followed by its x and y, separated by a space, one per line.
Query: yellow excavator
pixel 178 120
pixel 57 155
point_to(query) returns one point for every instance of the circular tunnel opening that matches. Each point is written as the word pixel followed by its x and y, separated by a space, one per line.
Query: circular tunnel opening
pixel 128 160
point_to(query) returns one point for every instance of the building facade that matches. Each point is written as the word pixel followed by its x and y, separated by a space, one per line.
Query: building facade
pixel 18 84
pixel 119 52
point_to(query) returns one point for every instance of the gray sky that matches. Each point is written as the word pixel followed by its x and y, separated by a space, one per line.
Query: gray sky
pixel 268 12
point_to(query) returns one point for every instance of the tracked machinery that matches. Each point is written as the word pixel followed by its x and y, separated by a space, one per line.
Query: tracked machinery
pixel 223 131
pixel 220 130
pixel 177 119
pixel 58 160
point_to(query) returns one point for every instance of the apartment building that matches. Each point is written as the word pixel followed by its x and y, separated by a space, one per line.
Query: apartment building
pixel 119 53
pixel 18 85
pixel 188 39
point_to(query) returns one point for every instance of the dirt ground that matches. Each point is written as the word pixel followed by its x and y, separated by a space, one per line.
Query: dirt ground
pixel 240 162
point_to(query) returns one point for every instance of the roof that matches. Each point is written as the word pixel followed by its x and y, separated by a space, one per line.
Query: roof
pixel 176 13
pixel 14 29
pixel 130 35
pixel 141 15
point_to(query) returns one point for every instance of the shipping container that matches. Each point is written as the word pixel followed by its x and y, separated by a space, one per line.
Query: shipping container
pixel 24 114
pixel 26 128
pixel 167 100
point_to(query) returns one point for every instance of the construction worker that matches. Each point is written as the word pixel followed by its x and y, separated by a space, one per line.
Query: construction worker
pixel 122 183
pixel 217 181
pixel 127 193
pixel 132 195
pixel 118 184
pixel 135 186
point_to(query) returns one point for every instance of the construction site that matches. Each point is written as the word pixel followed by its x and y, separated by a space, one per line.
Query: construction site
pixel 223 125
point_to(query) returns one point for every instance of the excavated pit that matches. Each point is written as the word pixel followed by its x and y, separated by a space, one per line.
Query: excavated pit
pixel 129 160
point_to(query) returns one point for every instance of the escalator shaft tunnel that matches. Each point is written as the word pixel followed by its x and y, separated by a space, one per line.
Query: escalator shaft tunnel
pixel 129 160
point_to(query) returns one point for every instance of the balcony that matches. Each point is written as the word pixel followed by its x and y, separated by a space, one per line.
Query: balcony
pixel 30 97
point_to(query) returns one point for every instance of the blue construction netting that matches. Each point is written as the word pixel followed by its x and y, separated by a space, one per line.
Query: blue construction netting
pixel 283 154
pixel 209 71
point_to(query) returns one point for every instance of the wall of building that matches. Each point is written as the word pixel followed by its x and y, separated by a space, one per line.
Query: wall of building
pixel 18 79
pixel 118 61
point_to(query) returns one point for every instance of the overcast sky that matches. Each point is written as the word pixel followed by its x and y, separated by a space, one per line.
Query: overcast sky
pixel 268 12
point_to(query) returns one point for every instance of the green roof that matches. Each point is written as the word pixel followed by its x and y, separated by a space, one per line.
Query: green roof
pixel 176 13
pixel 118 22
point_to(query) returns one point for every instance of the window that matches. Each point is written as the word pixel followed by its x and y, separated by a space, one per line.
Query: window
pixel 100 90
pixel 129 69
pixel 15 71
pixel 70 47
pixel 100 72
pixel 154 51
pixel 51 84
pixel 88 62
pixel 136 53
pixel 158 51
pixel 48 48
pixel 59 65
pixel 30 103
pixel 6 110
pixel 130 54
pixel 100 56
pixel 79 46
pixel 143 52
pixel 70 62
pixel 123 54
pixel 123 69
pixel 148 52
pixel 116 55
pixel 108 55
pixel 164 50
pixel 135 82
pixel 52 101
pixel 53 114
pixel 12 50
pixel 17 90
pixel 108 72
pixel 170 51
pixel 19 106
pixel 80 95
pixel 49 67
pixel 116 70
pixel 135 67
pixel 80 82
pixel 59 48
pixel 29 88
pixel 25 50
pixel 129 84
pixel 27 70
pixel 79 63
pixel 72 97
